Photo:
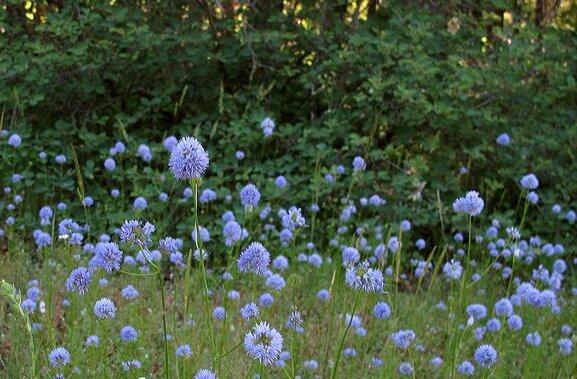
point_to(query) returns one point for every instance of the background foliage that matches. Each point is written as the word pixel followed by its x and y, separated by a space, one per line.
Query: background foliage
pixel 420 88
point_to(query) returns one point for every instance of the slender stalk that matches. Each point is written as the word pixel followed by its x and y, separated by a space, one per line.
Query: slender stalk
pixel 198 242
pixel 166 369
pixel 467 264
pixel 397 270
pixel 341 344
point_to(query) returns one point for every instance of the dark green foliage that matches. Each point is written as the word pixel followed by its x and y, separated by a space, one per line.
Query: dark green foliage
pixel 397 87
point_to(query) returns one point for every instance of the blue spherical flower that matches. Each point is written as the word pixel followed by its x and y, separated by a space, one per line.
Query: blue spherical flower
pixel 140 203
pixel 493 325
pixel 571 216
pixel 254 259
pixel 59 357
pixel 104 308
pixel 393 245
pixel 188 159
pixel 382 310
pixel 565 346
pixel 45 215
pixel 110 164
pixel 533 339
pixel 403 338
pixel 92 341
pixel 114 192
pixel 128 334
pixel 232 233
pixel 477 311
pixel 471 204
pixel 420 244
pixel 280 181
pixel 107 256
pixel 293 219
pixel 163 196
pixel 219 313
pixel 263 343
pixel 88 201
pixel 249 196
pixel 405 225
pixel 350 256
pixel 60 159
pixel 28 306
pixel 239 155
pixel 127 365
pixel 359 164
pixel 78 280
pixel 532 197
pixel 437 361
pixel 168 246
pixel 267 125
pixel 119 147
pixel 311 364
pixel 485 355
pixel 515 322
pixel 295 321
pixel 184 351
pixel 207 196
pixel 129 292
pixel 503 139
pixel 466 368
pixel 266 300
pixel 280 263
pixel 205 374
pixel 559 266
pixel 275 281
pixel 323 295
pixel 170 143
pixel 361 277
pixel 135 232
pixel 406 368
pixel 33 293
pixel 529 182
pixel 249 311
pixel 503 308
pixel 14 140
pixel 145 153
pixel 453 269
pixel 315 260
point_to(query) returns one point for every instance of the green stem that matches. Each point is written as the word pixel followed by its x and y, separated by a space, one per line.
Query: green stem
pixel 341 344
pixel 166 369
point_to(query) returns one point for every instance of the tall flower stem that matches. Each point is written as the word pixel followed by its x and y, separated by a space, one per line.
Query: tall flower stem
pixel 341 344
pixel 166 369
pixel 198 242
pixel 467 264
pixel 513 255
pixel 397 271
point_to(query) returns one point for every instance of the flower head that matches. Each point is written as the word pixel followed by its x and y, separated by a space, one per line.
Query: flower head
pixel 59 357
pixel 135 232
pixel 485 355
pixel 529 182
pixel 249 196
pixel 104 308
pixel 263 343
pixel 78 280
pixel 471 204
pixel 188 159
pixel 254 259
pixel 108 256
pixel 361 277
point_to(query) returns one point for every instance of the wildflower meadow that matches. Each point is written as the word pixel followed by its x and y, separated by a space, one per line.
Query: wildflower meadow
pixel 142 236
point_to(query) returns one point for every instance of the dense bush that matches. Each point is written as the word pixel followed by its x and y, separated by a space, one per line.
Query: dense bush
pixel 402 84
